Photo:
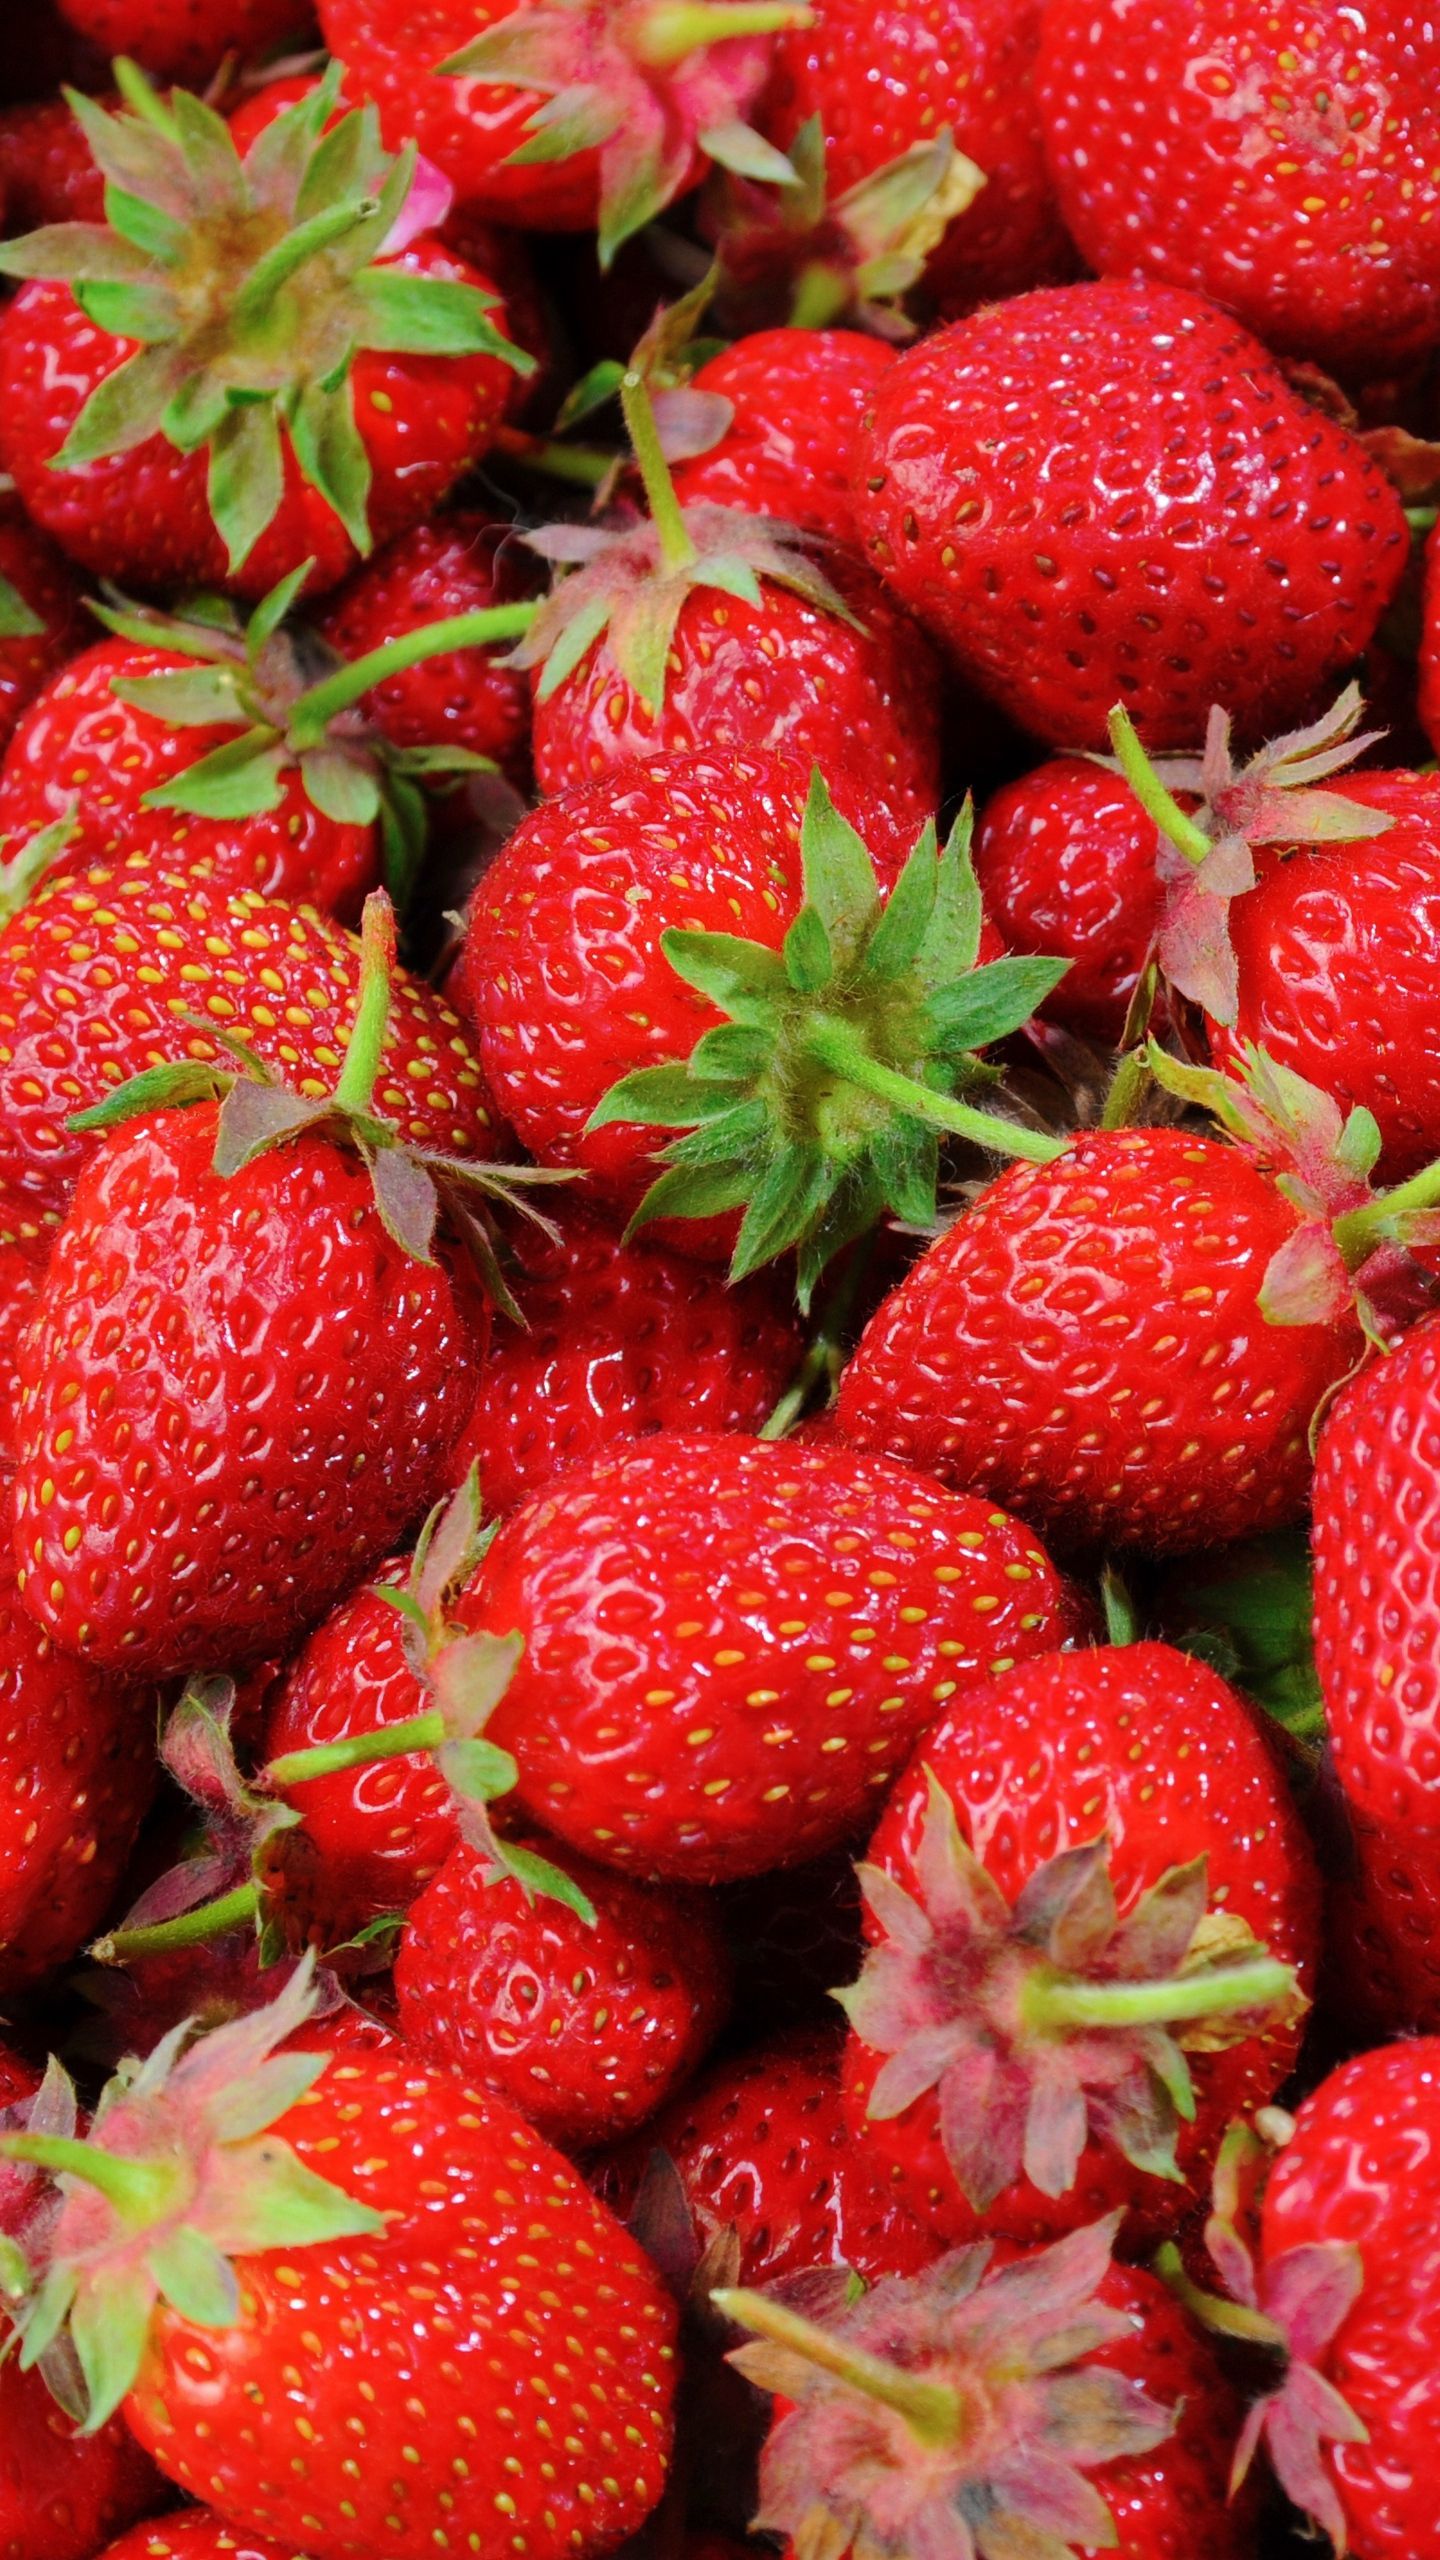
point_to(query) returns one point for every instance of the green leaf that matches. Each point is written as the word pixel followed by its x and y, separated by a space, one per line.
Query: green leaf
pixel 279 157
pixel 894 944
pixel 735 1052
pixel 654 1097
pixel 591 392
pixel 406 1200
pixel 404 830
pixel 256 1117
pixel 280 2204
pixel 578 637
pixel 191 698
pixel 733 578
pixel 575 120
pixel 1360 1142
pixel 145 312
pixel 738 147
pixel 333 169
pixel 952 937
pixel 541 1876
pixel 195 2279
pixel 640 639
pixel 247 476
pixel 17 622
pixel 785 1200
pixel 429 316
pixel 736 1135
pixel 240 779
pixel 270 612
pixel 994 1001
pixel 342 786
pixel 173 1087
pixel 197 412
pixel 136 156
pixel 331 455
pixel 73 253
pixel 211 158
pixel 109 2328
pixel 692 1191
pixel 479 1768
pixel 809 961
pixel 159 238
pixel 839 873
pixel 725 967
pixel 124 410
pixel 906 1160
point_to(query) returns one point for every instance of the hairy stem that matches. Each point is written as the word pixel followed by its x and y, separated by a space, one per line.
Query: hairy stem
pixel 1260 1984
pixel 1150 791
pixel 195 1928
pixel 673 28
pixel 930 2409
pixel 677 551
pixel 836 1047
pixel 361 1063
pixel 1360 1230
pixel 356 1751
pixel 141 2191
pixel 312 712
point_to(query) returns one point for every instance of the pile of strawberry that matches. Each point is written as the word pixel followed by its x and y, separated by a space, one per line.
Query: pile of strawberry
pixel 719 1280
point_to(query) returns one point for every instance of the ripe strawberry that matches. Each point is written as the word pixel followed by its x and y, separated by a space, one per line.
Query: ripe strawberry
pixel 564 115
pixel 404 2243
pixel 1065 858
pixel 318 1363
pixel 47 172
pixel 103 975
pixel 321 396
pixel 1243 552
pixel 1290 170
pixel 77 1768
pixel 796 398
pixel 761 2150
pixel 467 698
pixel 26 1232
pixel 586 2027
pixel 618 1340
pixel 881 81
pixel 41 624
pixel 196 2533
pixel 62 2495
pixel 693 1700
pixel 183 39
pixel 1429 654
pixel 1086 1875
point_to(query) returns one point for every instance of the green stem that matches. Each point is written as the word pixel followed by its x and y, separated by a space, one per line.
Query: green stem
pixel 1128 1087
pixel 824 1358
pixel 1122 1620
pixel 931 2410
pixel 141 2191
pixel 280 263
pixel 677 551
pixel 1421 519
pixel 1360 1230
pixel 361 1063
pixel 356 1751
pixel 836 1047
pixel 674 28
pixel 1212 2310
pixel 1150 791
pixel 1060 2002
pixel 188 1929
pixel 821 294
pixel 584 466
pixel 311 713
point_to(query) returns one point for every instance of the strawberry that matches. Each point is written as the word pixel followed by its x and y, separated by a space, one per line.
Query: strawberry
pixel 761 2150
pixel 181 416
pixel 1087 1875
pixel 183 40
pixel 880 81
pixel 1245 550
pixel 318 1363
pixel 25 1237
pixel 47 173
pixel 197 2533
pixel 77 1765
pixel 618 925
pixel 692 1700
pixel 586 2027
pixel 1065 858
pixel 967 2407
pixel 1290 170
pixel 564 115
pixel 390 2236
pixel 103 975
pixel 41 624
pixel 1429 693
pixel 617 1340
pixel 796 398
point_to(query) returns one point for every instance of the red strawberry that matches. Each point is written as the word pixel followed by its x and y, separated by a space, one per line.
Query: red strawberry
pixel 118 407
pixel 1241 551
pixel 47 172
pixel 761 2149
pixel 26 1233
pixel 796 398
pixel 102 975
pixel 586 2026
pixel 1085 1875
pixel 41 624
pixel 466 698
pixel 317 1365
pixel 1429 702
pixel 564 115
pixel 407 2246
pixel 992 2391
pixel 187 39
pixel 197 2533
pixel 1290 169
pixel 881 81
pixel 729 1645
pixel 1065 858
pixel 617 1340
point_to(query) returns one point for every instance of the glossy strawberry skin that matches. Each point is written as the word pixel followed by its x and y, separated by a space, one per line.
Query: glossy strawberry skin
pixel 586 2028
pixel 883 79
pixel 1287 167
pixel 25 1238
pixel 63 2495
pixel 44 580
pixel 195 2533
pixel 1240 551
pixel 1175 2503
pixel 781 678
pixel 1065 858
pixel 1148 1746
pixel 47 173
pixel 798 396
pixel 730 1644
pixel 1086 1344
pixel 298 1367
pixel 468 698
pixel 618 1340
pixel 187 40
pixel 1363 2169
pixel 77 1767
pixel 461 2405
pixel 143 518
pixel 104 973
pixel 79 748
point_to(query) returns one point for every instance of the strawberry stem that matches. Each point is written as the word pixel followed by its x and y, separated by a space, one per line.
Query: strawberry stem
pixel 356 1751
pixel 1060 2001
pixel 931 2410
pixel 836 1047
pixel 195 1928
pixel 675 28
pixel 275 268
pixel 677 551
pixel 311 713
pixel 142 2191
pixel 361 1064
pixel 1359 1231
pixel 820 296
pixel 583 465
pixel 1150 791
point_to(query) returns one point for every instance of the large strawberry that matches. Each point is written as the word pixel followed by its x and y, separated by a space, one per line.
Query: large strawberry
pixel 181 39
pixel 404 2246
pixel 111 972
pixel 1094 1919
pixel 1242 552
pixel 796 398
pixel 729 1644
pixel 1290 169
pixel 40 619
pixel 310 1361
pixel 289 369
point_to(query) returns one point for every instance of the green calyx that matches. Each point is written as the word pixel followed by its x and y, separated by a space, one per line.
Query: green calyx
pixel 821 1101
pixel 30 862
pixel 250 287
pixel 17 619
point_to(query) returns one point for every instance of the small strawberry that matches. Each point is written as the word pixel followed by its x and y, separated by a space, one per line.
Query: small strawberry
pixel 111 973
pixel 317 1362
pixel 1289 169
pixel 404 2245
pixel 196 2533
pixel 1094 1919
pixel 585 2026
pixel 183 39
pixel 41 624
pixel 796 398
pixel 1243 553
pixel 564 115
pixel 729 1645
pixel 1065 858
pixel 184 414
